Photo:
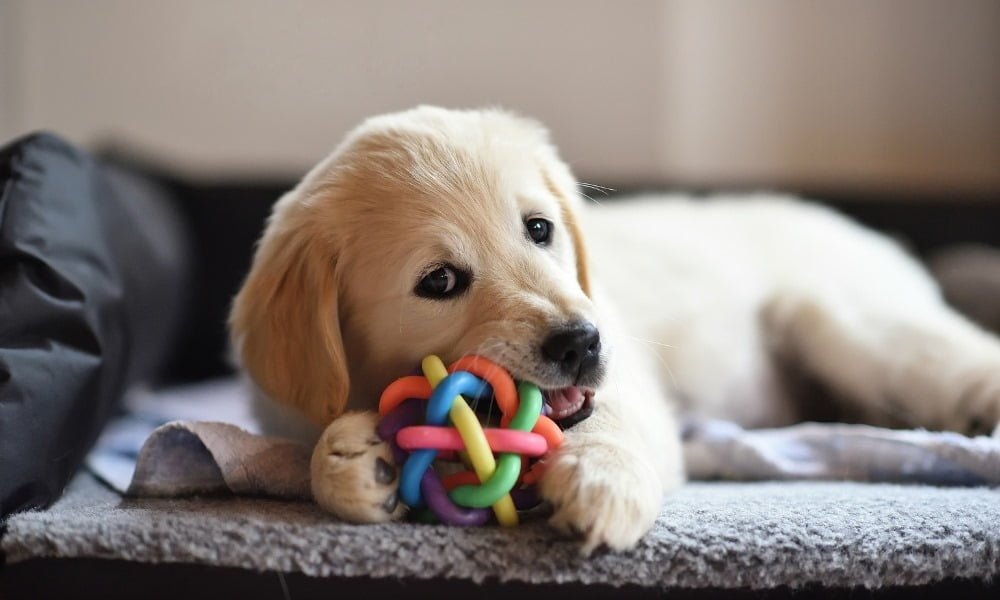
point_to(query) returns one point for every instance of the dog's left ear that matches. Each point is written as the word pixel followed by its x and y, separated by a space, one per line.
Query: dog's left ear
pixel 285 320
pixel 562 185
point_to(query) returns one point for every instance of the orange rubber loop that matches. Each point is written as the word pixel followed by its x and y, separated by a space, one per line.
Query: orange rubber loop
pixel 503 386
pixel 404 388
pixel 505 393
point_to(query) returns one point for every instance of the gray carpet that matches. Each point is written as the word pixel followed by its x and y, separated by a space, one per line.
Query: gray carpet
pixel 757 535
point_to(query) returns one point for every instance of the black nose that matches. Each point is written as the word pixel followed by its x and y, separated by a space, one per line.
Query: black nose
pixel 575 349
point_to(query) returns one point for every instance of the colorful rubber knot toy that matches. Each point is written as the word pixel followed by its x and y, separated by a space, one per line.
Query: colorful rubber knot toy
pixel 427 420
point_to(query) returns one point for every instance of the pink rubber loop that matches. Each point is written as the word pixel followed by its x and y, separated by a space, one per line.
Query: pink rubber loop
pixel 447 438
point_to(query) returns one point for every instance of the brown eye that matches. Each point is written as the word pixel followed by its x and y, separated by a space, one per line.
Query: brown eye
pixel 442 282
pixel 539 230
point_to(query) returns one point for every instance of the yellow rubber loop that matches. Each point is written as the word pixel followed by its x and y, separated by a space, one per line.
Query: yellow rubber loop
pixel 434 370
pixel 478 449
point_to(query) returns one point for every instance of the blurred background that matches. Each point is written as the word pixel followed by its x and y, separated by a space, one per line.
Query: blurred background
pixel 118 273
pixel 888 110
pixel 896 96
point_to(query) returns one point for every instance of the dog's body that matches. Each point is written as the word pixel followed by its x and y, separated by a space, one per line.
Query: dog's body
pixel 425 232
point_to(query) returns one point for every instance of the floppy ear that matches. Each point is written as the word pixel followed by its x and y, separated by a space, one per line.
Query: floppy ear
pixel 284 322
pixel 579 249
pixel 569 216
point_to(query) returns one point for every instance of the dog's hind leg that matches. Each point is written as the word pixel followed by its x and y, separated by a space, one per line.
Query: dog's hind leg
pixel 890 358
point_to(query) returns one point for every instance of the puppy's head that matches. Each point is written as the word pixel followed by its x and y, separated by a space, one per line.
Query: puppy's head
pixel 427 231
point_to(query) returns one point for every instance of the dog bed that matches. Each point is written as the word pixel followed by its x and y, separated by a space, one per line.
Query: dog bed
pixel 709 535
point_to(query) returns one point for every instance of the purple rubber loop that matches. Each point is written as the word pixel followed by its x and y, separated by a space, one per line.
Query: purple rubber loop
pixel 438 407
pixel 411 412
pixel 408 413
pixel 446 510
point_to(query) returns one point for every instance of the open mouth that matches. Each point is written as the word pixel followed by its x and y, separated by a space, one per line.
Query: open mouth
pixel 566 406
pixel 569 405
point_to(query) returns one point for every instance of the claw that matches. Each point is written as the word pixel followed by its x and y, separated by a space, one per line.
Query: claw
pixel 385 473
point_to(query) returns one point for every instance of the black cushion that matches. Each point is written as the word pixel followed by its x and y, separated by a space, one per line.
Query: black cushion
pixel 92 268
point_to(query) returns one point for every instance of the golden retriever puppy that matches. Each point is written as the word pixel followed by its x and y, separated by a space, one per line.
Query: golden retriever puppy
pixel 460 232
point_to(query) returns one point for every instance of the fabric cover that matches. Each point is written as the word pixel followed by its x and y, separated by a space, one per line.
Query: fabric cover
pixel 92 264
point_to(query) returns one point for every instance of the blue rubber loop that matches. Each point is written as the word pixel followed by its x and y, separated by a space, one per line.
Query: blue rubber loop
pixel 460 382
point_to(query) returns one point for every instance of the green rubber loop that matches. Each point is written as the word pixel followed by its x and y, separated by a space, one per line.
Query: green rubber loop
pixel 508 464
pixel 487 493
pixel 530 408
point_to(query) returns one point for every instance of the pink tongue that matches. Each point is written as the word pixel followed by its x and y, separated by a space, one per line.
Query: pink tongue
pixel 565 398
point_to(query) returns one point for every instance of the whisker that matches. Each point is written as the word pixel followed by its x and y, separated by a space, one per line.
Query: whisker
pixel 604 190
pixel 489 413
pixel 666 367
pixel 656 353
pixel 639 339
pixel 589 198
pixel 487 344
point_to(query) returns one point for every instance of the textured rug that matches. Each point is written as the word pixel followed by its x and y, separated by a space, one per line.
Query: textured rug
pixel 757 535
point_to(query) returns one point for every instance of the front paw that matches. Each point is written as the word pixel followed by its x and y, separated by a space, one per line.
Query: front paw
pixel 602 490
pixel 352 472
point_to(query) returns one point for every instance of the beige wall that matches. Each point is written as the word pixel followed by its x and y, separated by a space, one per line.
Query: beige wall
pixel 902 93
pixel 858 92
pixel 263 84
pixel 9 122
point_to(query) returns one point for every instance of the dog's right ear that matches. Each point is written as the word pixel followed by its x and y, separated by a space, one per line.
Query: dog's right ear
pixel 564 192
pixel 284 323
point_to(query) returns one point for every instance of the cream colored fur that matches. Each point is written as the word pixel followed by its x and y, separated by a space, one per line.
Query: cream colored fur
pixel 704 306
